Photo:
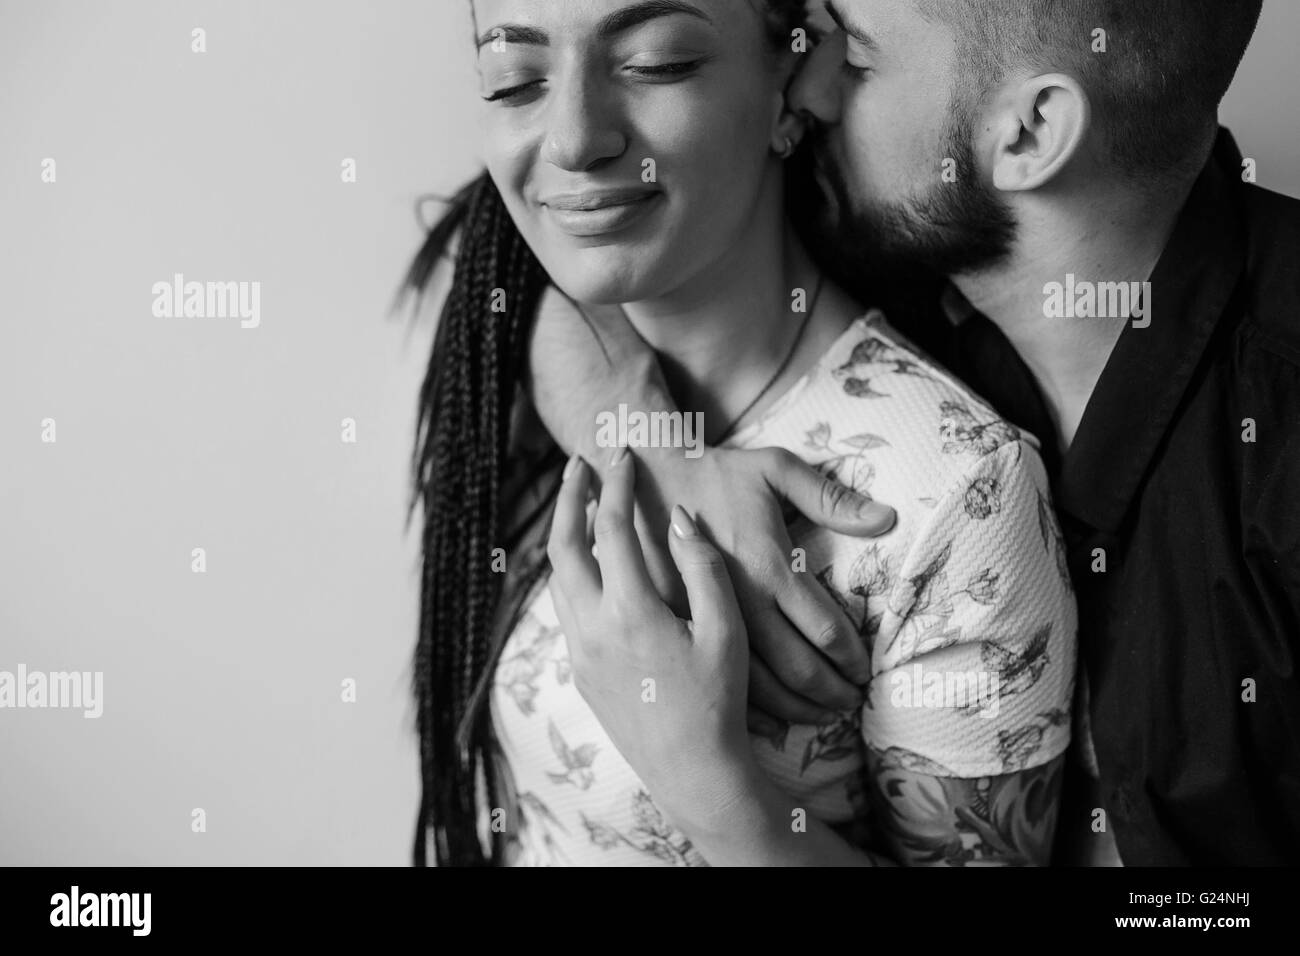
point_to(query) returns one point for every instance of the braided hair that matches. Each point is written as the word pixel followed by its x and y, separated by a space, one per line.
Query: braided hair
pixel 460 457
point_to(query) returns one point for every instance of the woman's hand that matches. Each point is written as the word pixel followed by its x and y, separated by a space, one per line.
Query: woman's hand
pixel 808 661
pixel 670 693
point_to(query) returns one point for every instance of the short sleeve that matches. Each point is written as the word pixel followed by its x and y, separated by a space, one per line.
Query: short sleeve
pixel 974 654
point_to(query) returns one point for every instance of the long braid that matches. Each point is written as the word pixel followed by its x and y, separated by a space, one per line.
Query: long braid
pixel 461 445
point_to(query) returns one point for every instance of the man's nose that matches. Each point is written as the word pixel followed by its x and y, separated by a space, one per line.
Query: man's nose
pixel 816 90
pixel 583 126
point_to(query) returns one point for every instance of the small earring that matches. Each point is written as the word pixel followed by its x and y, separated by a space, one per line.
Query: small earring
pixel 787 150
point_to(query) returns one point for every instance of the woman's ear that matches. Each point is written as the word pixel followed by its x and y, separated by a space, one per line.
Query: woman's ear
pixel 787 132
pixel 788 126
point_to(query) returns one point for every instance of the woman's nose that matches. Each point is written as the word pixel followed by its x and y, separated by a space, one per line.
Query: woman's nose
pixel 584 127
pixel 816 90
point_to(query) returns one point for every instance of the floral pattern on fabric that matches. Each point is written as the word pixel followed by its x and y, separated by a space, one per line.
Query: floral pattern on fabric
pixel 971 582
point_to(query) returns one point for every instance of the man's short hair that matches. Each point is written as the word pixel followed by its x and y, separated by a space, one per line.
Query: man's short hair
pixel 1155 90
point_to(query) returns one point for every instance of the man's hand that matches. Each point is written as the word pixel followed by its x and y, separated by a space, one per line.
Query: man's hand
pixel 807 660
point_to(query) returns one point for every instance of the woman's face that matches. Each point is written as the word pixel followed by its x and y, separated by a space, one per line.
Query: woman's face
pixel 630 139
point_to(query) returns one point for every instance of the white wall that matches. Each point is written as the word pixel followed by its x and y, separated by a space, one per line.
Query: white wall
pixel 222 689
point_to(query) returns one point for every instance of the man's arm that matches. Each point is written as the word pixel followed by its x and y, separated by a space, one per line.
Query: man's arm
pixel 808 659
pixel 967 723
pixel 583 361
pixel 920 820
pixel 1006 820
pixel 586 361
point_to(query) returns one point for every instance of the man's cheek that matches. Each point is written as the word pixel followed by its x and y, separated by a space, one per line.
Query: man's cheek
pixel 858 149
pixel 859 181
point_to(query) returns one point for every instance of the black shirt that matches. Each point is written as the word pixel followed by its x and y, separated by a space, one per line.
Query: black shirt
pixel 1190 635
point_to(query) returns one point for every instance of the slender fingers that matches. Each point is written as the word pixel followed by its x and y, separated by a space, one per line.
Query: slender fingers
pixel 574 568
pixel 618 550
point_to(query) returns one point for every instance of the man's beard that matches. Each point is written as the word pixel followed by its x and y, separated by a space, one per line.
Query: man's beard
pixel 871 247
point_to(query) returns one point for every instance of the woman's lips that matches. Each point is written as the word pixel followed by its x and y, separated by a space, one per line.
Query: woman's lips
pixel 599 213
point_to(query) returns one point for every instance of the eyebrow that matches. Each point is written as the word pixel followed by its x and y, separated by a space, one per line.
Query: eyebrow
pixel 620 21
pixel 853 30
pixel 514 33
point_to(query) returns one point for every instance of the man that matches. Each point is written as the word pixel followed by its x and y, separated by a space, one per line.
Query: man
pixel 1120 291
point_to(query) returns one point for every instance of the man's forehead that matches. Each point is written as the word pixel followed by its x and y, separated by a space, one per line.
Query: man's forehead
pixel 888 22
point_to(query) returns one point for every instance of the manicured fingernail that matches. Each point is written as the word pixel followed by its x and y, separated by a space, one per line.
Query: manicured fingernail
pixel 571 467
pixel 619 454
pixel 875 511
pixel 683 526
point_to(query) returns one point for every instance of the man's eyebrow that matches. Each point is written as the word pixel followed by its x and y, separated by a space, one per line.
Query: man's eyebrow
pixel 859 34
pixel 513 33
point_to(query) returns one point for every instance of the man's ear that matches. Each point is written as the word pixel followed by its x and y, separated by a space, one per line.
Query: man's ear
pixel 1039 127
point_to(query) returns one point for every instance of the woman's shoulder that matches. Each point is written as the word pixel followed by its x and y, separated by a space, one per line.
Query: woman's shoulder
pixel 877 361
pixel 878 408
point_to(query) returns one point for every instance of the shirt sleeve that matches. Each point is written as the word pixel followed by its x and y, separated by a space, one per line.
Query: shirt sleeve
pixel 973 653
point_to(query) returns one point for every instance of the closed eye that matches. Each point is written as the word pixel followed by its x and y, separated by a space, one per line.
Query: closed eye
pixel 666 69
pixel 683 68
pixel 512 92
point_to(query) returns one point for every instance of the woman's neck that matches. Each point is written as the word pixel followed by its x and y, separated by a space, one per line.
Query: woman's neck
pixel 722 336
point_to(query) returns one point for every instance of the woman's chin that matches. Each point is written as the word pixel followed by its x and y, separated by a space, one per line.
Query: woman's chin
pixel 603 288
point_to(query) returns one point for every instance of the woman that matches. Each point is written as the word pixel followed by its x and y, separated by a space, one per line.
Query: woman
pixel 635 157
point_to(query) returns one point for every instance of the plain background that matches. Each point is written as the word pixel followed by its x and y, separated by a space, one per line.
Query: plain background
pixel 222 690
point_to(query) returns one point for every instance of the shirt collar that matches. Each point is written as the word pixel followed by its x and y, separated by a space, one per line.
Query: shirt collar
pixel 1149 371
pixel 956 307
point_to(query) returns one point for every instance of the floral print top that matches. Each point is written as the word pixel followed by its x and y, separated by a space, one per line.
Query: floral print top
pixel 965 608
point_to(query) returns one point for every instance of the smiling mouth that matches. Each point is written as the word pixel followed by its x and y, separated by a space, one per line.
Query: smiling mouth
pixel 585 215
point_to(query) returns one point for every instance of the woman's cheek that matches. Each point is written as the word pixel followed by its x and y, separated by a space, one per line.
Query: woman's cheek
pixel 510 164
pixel 697 148
pixel 507 135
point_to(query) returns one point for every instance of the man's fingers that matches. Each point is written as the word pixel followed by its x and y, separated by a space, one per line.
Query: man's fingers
pixel 764 725
pixel 822 500
pixel 797 665
pixel 768 695
pixel 571 562
pixel 812 611
pixel 712 599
